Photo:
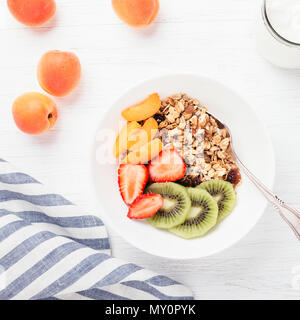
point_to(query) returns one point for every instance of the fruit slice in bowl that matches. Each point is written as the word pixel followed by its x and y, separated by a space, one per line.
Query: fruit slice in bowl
pixel 176 205
pixel 123 140
pixel 168 166
pixel 132 180
pixel 223 193
pixel 141 137
pixel 144 154
pixel 145 206
pixel 143 110
pixel 202 216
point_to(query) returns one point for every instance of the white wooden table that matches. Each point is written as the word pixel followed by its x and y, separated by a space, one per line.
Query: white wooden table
pixel 210 37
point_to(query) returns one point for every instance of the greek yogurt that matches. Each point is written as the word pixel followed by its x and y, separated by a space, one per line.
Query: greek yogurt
pixel 278 33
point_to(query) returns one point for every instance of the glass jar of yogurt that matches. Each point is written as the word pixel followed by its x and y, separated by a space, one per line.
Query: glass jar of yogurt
pixel 278 34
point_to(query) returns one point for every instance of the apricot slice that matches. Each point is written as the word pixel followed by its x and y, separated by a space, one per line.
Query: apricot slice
pixel 32 12
pixel 136 13
pixel 59 72
pixel 34 113
pixel 144 135
pixel 143 110
pixel 121 144
pixel 151 127
pixel 146 153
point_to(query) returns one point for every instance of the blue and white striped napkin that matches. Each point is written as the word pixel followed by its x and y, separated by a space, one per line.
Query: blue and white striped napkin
pixel 49 249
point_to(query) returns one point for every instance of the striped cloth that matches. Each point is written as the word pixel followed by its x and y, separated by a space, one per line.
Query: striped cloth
pixel 50 250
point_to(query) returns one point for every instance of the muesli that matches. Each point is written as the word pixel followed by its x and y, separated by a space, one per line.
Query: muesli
pixel 176 167
pixel 203 143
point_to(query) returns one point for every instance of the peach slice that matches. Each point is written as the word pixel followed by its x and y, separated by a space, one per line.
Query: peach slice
pixel 143 110
pixel 142 136
pixel 146 153
pixel 121 144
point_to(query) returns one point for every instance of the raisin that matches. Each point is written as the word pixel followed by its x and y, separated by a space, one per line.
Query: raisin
pixel 159 118
pixel 234 176
pixel 190 181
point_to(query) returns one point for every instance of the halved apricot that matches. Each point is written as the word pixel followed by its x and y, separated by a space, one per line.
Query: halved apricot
pixel 151 127
pixel 136 13
pixel 141 136
pixel 146 153
pixel 121 144
pixel 143 110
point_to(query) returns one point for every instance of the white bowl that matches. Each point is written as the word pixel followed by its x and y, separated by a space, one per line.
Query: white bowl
pixel 251 141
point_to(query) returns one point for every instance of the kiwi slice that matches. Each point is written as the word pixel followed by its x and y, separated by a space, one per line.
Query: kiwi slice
pixel 223 192
pixel 202 216
pixel 176 205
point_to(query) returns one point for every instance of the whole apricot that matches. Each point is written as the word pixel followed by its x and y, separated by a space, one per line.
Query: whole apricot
pixel 59 72
pixel 34 113
pixel 32 12
pixel 136 13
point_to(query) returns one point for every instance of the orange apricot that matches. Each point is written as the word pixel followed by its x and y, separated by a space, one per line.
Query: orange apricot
pixel 146 153
pixel 151 127
pixel 123 140
pixel 136 13
pixel 142 136
pixel 32 12
pixel 143 110
pixel 34 113
pixel 59 72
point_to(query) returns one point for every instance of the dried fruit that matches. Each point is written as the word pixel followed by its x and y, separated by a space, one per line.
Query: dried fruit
pixel 234 176
pixel 190 181
pixel 159 118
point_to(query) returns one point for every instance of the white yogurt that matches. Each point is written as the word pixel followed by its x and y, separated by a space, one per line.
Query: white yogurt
pixel 279 32
pixel 284 16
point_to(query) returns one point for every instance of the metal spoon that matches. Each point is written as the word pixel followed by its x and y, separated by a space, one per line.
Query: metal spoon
pixel 290 215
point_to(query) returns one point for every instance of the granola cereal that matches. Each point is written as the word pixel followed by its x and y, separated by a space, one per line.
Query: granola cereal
pixel 203 142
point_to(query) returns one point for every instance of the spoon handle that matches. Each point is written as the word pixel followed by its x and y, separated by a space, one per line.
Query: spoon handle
pixel 290 215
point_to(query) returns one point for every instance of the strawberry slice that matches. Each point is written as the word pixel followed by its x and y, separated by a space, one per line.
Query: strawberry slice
pixel 145 206
pixel 167 166
pixel 132 180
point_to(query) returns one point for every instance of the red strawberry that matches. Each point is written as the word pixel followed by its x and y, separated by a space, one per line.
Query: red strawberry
pixel 132 180
pixel 167 166
pixel 145 206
